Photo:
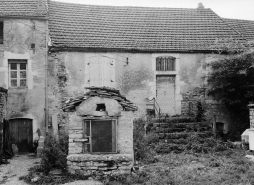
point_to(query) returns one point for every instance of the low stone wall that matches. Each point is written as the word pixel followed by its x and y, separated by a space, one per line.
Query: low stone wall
pixel 99 165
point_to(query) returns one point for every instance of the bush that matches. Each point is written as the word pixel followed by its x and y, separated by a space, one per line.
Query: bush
pixel 55 152
pixel 143 150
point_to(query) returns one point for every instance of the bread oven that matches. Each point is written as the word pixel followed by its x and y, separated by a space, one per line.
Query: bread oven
pixel 100 133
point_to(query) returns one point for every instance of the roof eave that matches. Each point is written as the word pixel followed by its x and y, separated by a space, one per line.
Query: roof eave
pixel 25 17
pixel 82 49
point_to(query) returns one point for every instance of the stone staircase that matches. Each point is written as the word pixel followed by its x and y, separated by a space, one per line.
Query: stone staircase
pixel 178 127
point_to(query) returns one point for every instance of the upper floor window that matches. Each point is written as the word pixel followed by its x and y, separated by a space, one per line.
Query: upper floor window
pixel 1 32
pixel 18 73
pixel 101 71
pixel 165 63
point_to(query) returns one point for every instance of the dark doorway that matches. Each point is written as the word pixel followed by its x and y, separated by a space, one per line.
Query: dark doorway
pixel 21 134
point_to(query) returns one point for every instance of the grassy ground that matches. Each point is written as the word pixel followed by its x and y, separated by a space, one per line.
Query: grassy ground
pixel 225 168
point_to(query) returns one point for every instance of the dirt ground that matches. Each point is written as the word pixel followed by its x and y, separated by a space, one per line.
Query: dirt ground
pixel 18 166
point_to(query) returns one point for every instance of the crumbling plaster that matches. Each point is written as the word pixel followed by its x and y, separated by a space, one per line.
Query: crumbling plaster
pixel 135 77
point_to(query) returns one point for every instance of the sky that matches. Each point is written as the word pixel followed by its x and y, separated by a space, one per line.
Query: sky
pixel 235 9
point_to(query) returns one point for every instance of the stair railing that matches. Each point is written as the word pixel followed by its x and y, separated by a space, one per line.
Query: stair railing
pixel 158 110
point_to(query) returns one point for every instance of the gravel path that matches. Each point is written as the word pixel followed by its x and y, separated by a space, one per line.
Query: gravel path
pixel 19 165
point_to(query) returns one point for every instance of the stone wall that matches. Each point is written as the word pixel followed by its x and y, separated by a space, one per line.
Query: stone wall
pixel 80 160
pixel 25 39
pixel 135 77
pixel 3 102
pixel 100 165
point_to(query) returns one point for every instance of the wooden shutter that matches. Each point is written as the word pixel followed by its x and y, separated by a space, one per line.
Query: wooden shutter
pixel 101 72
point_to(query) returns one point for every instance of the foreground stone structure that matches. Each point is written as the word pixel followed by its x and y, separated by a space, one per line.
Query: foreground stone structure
pixel 100 138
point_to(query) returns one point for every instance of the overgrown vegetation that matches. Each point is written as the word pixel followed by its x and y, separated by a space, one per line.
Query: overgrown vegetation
pixel 143 143
pixel 54 156
pixel 148 146
pixel 231 80
pixel 228 167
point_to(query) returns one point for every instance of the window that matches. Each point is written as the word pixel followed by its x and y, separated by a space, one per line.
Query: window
pixel 102 136
pixel 1 32
pixel 18 73
pixel 165 64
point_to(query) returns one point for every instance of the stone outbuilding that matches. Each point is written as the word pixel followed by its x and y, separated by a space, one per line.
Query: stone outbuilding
pixel 100 133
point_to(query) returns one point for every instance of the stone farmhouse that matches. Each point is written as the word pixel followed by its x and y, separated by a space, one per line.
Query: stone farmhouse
pixel 158 58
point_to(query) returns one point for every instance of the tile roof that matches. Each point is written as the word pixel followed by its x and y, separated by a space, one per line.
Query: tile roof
pixel 26 8
pixel 135 28
pixel 103 92
pixel 245 27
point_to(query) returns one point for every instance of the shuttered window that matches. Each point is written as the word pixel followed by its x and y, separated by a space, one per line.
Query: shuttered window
pixel 102 136
pixel 101 72
pixel 165 64
pixel 1 32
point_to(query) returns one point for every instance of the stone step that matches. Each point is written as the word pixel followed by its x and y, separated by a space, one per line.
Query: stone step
pixel 163 119
pixel 182 125
pixel 183 135
pixel 173 130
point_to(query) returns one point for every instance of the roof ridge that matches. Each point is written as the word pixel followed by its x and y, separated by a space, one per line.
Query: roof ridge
pixel 60 2
pixel 230 26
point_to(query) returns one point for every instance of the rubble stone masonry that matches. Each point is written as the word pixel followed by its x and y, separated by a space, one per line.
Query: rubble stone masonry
pixel 82 162
pixel 3 100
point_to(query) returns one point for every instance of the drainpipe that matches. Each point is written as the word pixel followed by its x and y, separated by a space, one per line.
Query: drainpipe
pixel 46 80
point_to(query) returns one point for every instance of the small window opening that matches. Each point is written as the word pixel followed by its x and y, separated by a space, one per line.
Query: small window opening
pixel 101 107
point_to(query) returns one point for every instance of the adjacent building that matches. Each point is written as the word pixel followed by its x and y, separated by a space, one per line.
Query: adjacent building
pixel 23 61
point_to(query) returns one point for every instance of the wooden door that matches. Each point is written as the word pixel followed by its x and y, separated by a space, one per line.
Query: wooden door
pixel 21 134
pixel 165 93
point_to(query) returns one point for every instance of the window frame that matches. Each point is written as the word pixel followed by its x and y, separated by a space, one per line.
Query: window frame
pixel 18 62
pixel 88 145
pixel 163 63
pixel 1 32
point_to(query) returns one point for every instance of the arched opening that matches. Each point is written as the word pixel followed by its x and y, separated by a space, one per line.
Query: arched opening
pixel 21 134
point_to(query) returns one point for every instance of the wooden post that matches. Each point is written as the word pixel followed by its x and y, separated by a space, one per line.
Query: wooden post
pixel 214 126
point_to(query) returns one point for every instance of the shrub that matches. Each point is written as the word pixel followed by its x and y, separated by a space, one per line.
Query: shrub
pixel 143 143
pixel 55 152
